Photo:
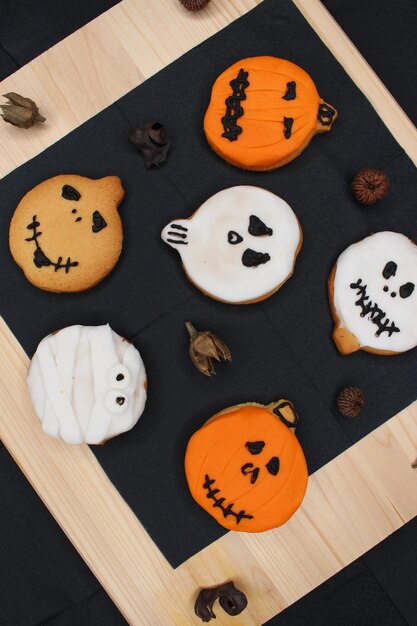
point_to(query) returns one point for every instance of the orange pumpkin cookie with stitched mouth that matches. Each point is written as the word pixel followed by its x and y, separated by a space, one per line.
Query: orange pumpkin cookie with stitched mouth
pixel 264 112
pixel 246 468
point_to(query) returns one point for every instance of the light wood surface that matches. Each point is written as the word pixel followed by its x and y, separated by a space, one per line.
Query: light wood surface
pixel 352 503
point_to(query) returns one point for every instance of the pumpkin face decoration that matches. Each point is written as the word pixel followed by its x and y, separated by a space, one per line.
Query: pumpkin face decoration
pixel 263 113
pixel 246 468
pixel 66 233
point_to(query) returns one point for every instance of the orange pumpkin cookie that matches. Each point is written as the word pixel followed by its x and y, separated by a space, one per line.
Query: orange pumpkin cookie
pixel 66 233
pixel 246 468
pixel 263 113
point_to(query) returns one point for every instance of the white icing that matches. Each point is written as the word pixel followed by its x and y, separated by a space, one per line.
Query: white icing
pixel 366 260
pixel 215 265
pixel 73 384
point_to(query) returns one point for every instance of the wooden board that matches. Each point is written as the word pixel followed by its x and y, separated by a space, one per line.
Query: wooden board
pixel 352 503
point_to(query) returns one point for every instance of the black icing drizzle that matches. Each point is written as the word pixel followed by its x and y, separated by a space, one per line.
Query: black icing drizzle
pixel 376 314
pixel 326 114
pixel 70 193
pixel 290 93
pixel 257 228
pixel 234 110
pixel 288 122
pixel 218 502
pixel 251 258
pixel 39 257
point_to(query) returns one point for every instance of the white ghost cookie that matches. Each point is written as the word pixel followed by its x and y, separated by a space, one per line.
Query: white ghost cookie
pixel 240 246
pixel 373 297
pixel 87 384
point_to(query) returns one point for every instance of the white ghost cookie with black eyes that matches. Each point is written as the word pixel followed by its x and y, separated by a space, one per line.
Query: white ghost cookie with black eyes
pixel 87 384
pixel 240 246
pixel 373 295
pixel 66 233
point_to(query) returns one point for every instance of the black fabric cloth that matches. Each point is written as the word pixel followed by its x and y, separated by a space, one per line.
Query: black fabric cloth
pixel 385 33
pixel 379 589
pixel 281 347
pixel 147 298
pixel 29 27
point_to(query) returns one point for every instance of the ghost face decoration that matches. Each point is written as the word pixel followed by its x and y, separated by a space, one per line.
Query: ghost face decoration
pixel 240 246
pixel 373 295
pixel 263 113
pixel 66 233
pixel 87 384
pixel 246 468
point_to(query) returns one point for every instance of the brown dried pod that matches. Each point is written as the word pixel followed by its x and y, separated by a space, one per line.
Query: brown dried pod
pixel 231 600
pixel 369 185
pixel 194 5
pixel 152 141
pixel 350 401
pixel 205 348
pixel 20 111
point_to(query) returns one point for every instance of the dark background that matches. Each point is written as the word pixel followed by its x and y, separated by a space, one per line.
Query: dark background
pixel 34 538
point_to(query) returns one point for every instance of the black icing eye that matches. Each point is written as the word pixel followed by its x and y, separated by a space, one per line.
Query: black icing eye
pixel 120 400
pixel 70 193
pixel 119 377
pixel 288 122
pixel 273 466
pixel 389 270
pixel 406 290
pixel 255 447
pixel 257 228
pixel 290 93
pixel 233 237
pixel 98 222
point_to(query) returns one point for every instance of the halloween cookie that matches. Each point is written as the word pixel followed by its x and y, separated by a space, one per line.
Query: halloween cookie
pixel 240 246
pixel 373 297
pixel 263 113
pixel 246 468
pixel 87 384
pixel 66 233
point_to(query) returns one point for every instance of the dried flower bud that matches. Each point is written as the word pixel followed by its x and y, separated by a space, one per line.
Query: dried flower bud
pixel 194 5
pixel 152 141
pixel 350 401
pixel 20 111
pixel 369 185
pixel 231 600
pixel 205 348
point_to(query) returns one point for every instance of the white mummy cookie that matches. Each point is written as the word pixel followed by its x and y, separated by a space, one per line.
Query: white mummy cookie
pixel 373 296
pixel 87 384
pixel 240 246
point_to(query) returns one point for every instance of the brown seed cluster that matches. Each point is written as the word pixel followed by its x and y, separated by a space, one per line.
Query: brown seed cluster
pixel 20 111
pixel 369 186
pixel 205 349
pixel 194 5
pixel 350 401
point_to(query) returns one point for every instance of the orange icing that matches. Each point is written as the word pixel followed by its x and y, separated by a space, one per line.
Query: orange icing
pixel 218 450
pixel 262 144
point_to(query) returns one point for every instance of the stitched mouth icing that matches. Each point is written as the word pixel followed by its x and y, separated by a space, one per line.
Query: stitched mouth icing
pixel 376 314
pixel 39 257
pixel 218 502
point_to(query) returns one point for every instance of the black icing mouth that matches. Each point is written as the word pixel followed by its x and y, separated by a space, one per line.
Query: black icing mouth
pixel 376 314
pixel 39 257
pixel 218 502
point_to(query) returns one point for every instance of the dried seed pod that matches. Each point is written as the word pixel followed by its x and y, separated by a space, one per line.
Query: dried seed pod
pixel 350 401
pixel 194 5
pixel 20 111
pixel 369 186
pixel 231 600
pixel 152 141
pixel 205 347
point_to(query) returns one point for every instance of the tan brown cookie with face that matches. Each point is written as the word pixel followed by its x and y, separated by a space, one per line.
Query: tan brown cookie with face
pixel 66 233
